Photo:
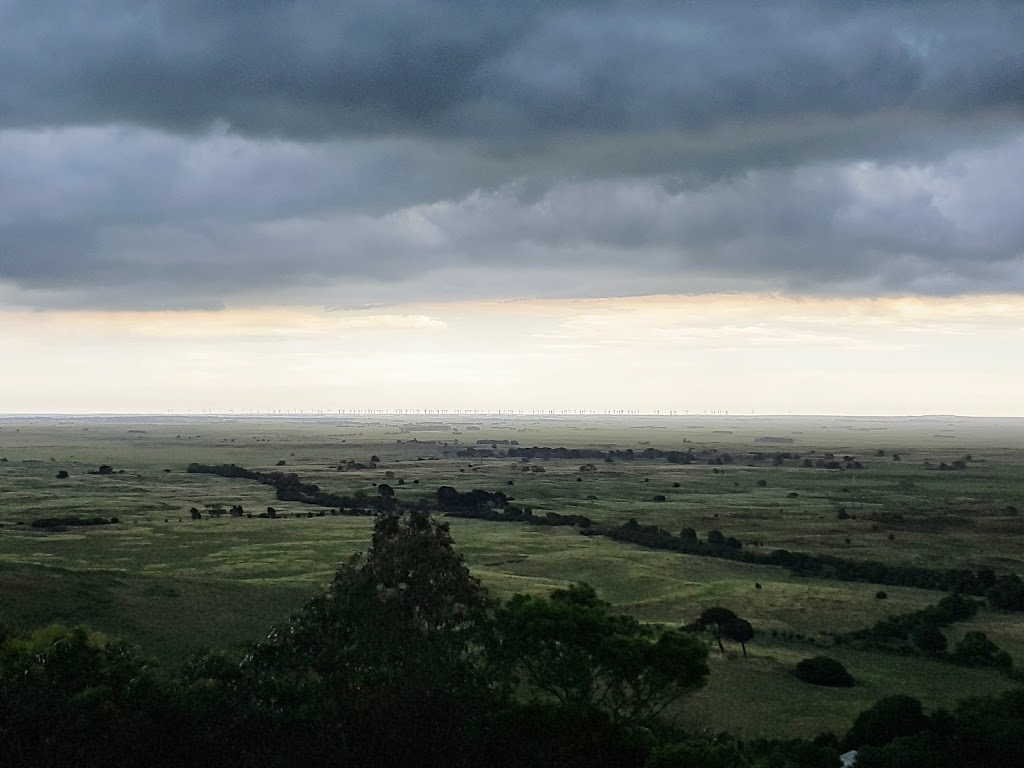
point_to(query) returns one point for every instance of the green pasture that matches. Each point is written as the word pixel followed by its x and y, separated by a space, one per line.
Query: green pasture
pixel 175 585
pixel 752 696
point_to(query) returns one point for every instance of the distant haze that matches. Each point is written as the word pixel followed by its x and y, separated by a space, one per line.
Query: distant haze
pixel 740 354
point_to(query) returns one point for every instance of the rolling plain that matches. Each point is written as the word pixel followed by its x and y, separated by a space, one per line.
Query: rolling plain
pixel 930 492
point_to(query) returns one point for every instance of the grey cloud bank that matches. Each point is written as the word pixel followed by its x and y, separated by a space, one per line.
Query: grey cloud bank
pixel 312 68
pixel 178 154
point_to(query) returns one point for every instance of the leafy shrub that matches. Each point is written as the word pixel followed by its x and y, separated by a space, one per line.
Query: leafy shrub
pixel 823 670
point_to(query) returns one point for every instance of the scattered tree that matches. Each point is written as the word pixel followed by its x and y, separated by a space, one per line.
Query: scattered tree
pixel 739 631
pixel 716 618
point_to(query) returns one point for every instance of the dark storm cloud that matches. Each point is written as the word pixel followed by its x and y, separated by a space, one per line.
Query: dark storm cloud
pixel 834 228
pixel 313 68
pixel 192 153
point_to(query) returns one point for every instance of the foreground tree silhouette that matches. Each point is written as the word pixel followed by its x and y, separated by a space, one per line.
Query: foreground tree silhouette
pixel 389 660
pixel 76 697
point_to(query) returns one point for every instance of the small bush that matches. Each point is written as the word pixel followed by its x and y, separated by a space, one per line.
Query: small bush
pixel 823 670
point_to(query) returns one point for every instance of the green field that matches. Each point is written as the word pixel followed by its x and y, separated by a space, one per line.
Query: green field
pixel 174 585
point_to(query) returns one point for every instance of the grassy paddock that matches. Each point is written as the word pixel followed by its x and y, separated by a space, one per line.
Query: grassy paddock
pixel 174 585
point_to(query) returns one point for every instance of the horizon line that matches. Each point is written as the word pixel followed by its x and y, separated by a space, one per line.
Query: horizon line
pixel 471 413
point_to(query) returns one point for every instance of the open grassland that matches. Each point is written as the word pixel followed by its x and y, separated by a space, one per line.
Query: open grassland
pixel 175 585
pixel 754 696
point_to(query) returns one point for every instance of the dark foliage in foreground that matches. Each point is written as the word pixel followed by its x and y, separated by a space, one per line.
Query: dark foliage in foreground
pixel 982 732
pixel 406 661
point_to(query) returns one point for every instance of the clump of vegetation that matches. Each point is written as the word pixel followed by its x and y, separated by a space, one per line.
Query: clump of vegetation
pixel 823 670
pixel 70 521
pixel 920 633
pixel 976 650
pixel 890 718
pixel 571 648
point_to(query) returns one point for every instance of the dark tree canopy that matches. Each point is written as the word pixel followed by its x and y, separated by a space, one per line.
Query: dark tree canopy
pixel 928 638
pixel 886 720
pixel 59 690
pixel 569 647
pixel 397 638
pixel 823 670
pixel 716 618
pixel 739 631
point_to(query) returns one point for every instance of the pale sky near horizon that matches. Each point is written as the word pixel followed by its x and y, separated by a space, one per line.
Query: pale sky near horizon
pixel 736 353
pixel 808 206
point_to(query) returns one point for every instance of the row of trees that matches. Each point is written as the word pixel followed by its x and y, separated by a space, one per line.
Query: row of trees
pixel 920 632
pixel 1004 591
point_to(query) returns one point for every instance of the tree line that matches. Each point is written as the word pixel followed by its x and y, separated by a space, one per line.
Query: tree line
pixel 1002 591
pixel 920 633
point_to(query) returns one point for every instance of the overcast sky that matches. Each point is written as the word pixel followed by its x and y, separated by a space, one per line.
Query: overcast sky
pixel 226 161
